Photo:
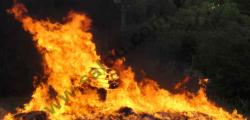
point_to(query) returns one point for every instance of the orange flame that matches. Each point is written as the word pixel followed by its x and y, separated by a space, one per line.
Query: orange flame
pixel 69 54
pixel 182 82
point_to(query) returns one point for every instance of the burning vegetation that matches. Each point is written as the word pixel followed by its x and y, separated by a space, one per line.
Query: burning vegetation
pixel 79 86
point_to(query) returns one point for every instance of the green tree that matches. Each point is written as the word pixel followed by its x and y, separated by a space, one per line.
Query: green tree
pixel 212 36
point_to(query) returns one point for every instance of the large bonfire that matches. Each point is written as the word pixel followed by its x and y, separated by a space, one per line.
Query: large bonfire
pixel 79 86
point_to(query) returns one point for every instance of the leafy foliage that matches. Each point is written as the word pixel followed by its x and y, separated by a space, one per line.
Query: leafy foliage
pixel 210 36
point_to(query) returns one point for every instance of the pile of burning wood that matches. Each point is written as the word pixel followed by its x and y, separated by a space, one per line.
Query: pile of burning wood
pixel 96 91
pixel 123 114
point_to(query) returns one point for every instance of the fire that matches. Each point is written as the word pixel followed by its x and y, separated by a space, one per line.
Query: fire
pixel 79 86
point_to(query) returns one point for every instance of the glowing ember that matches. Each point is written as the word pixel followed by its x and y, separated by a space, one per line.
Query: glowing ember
pixel 79 87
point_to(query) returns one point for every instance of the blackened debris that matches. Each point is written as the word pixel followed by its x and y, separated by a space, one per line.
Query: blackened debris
pixel 102 93
pixel 126 111
pixel 35 115
pixel 114 84
pixel 52 92
pixel 148 117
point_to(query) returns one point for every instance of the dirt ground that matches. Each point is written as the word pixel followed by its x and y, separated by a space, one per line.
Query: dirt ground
pixel 10 104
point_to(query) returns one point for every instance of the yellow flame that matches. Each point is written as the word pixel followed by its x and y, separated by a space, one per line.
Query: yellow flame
pixel 69 53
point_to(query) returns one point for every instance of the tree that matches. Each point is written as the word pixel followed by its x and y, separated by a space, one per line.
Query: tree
pixel 211 36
